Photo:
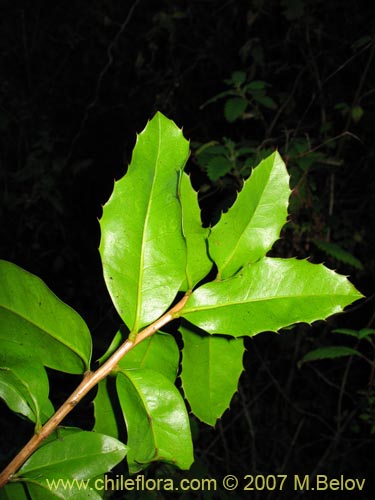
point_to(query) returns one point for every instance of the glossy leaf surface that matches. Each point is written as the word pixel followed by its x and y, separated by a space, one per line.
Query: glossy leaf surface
pixel 211 367
pixel 156 420
pixel 34 320
pixel 80 455
pixel 198 264
pixel 158 352
pixel 24 387
pixel 251 226
pixel 268 295
pixel 142 248
pixel 117 340
pixel 59 487
pixel 105 409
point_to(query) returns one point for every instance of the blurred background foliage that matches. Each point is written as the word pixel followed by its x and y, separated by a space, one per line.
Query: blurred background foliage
pixel 243 78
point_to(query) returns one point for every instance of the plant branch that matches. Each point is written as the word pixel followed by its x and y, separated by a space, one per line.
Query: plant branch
pixel 90 380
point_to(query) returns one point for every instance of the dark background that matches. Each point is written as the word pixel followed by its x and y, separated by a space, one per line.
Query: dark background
pixel 79 79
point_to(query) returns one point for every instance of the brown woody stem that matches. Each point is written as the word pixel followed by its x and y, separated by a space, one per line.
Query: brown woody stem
pixel 89 381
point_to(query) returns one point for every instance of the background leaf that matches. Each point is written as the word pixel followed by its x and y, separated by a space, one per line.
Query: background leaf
pixel 156 420
pixel 198 264
pixel 142 248
pixel 234 108
pixel 346 331
pixel 248 230
pixel 358 334
pixel 237 78
pixel 211 367
pixel 255 85
pixel 217 167
pixel 268 295
pixel 366 332
pixel 330 352
pixel 34 320
pixel 338 253
pixel 264 100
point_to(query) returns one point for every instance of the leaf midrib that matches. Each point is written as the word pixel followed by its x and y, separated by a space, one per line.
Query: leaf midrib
pixel 228 260
pixel 141 257
pixel 263 299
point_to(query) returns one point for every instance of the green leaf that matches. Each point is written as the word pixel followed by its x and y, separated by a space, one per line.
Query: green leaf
pixel 251 226
pixel 211 367
pixel 357 113
pixel 210 148
pixel 13 491
pixel 24 387
pixel 338 253
pixel 268 295
pixel 330 352
pixel 80 455
pixel 59 433
pixel 198 264
pixel 219 96
pixel 366 332
pixel 361 42
pixel 255 85
pixel 358 334
pixel 158 352
pixel 246 150
pixel 234 108
pixel 15 394
pixel 346 331
pixel 156 420
pixel 237 78
pixel 60 487
pixel 142 248
pixel 33 320
pixel 117 340
pixel 105 409
pixel 217 167
pixel 264 100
